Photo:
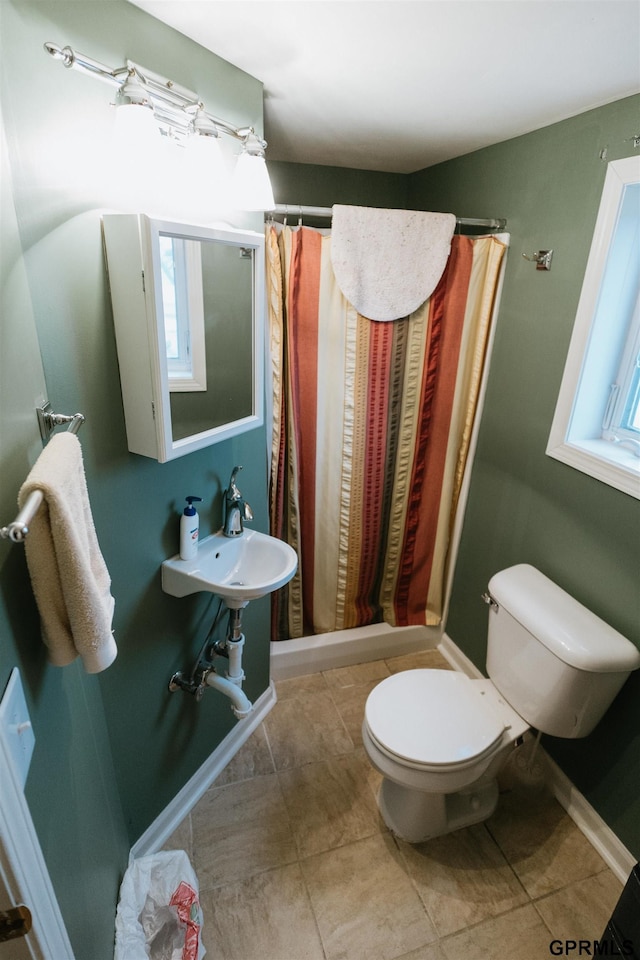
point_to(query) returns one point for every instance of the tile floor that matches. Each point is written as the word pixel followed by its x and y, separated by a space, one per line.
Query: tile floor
pixel 295 863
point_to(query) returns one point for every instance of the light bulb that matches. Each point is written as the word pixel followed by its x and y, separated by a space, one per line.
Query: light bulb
pixel 136 126
pixel 205 159
pixel 251 187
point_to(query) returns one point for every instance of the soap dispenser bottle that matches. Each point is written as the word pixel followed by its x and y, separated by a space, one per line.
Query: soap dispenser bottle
pixel 189 530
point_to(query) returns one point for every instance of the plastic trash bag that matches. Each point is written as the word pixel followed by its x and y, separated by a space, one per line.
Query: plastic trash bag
pixel 159 915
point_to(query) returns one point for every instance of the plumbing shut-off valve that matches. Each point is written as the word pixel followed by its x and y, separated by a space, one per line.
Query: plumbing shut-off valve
pixel 204 674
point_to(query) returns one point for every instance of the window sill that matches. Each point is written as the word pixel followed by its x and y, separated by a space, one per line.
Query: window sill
pixel 618 466
pixel 178 384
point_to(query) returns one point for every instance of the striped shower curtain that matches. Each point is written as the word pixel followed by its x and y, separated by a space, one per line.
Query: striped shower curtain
pixel 371 431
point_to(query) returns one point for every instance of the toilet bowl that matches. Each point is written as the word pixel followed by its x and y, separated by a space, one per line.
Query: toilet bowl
pixel 438 738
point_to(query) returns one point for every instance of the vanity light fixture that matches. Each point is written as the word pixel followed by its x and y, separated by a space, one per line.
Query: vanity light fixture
pixel 134 112
pixel 179 114
pixel 206 152
pixel 250 183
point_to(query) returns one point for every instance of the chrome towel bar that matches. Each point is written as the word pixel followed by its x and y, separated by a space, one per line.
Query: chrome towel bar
pixel 48 421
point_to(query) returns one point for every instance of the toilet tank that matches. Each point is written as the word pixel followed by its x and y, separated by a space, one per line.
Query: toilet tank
pixel 555 662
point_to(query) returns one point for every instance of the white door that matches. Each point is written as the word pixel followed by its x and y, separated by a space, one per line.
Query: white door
pixel 19 948
pixel 24 879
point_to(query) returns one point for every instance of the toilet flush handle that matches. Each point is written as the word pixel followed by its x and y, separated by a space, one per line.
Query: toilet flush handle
pixel 489 600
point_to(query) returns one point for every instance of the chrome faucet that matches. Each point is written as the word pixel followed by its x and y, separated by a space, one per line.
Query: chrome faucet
pixel 236 508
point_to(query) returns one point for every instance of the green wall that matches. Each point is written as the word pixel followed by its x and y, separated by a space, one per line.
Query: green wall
pixel 524 506
pixel 319 186
pixel 113 749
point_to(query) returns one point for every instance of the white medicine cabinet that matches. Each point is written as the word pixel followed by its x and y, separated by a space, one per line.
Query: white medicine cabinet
pixel 188 309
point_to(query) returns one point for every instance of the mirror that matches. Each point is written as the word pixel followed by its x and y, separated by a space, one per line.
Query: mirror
pixel 188 306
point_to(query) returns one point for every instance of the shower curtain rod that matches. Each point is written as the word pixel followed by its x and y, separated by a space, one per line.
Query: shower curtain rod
pixel 300 210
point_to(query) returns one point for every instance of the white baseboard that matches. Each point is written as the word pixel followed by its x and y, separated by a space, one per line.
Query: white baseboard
pixel 458 660
pixel 343 648
pixel 156 835
pixel 589 822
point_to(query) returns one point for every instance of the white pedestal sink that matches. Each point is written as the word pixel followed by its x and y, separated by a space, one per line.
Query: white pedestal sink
pixel 237 569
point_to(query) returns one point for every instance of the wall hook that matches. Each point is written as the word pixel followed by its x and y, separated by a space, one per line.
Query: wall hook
pixel 542 259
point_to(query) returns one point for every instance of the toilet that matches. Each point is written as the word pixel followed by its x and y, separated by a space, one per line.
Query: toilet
pixel 440 738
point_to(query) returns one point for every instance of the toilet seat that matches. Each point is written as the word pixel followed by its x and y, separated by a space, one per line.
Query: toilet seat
pixel 437 720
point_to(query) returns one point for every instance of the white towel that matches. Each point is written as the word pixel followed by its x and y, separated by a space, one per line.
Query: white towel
pixel 70 579
pixel 388 262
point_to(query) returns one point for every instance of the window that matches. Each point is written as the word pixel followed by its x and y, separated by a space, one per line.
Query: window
pixel 596 427
pixel 622 417
pixel 183 308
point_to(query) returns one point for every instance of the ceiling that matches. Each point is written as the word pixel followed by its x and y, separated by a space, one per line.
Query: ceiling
pixel 398 86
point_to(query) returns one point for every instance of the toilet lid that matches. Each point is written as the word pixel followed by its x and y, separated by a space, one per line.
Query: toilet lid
pixel 436 717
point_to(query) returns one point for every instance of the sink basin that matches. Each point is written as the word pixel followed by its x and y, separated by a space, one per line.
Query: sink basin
pixel 238 569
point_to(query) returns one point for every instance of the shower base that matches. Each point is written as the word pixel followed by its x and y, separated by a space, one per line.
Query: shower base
pixel 342 648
